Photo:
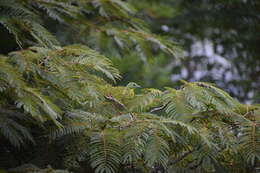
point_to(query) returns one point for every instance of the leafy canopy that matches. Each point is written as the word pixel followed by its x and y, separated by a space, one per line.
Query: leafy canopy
pixel 64 100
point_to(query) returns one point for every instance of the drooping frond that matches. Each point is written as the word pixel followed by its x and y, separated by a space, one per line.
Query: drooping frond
pixel 217 97
pixel 31 100
pixel 149 98
pixel 113 8
pixel 104 151
pixel 132 150
pixel 45 82
pixel 16 133
pixel 73 122
pixel 105 25
pixel 177 106
pixel 157 151
pixel 19 20
pixel 198 97
pixel 250 142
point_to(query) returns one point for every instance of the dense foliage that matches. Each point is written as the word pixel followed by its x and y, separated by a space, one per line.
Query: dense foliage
pixel 60 107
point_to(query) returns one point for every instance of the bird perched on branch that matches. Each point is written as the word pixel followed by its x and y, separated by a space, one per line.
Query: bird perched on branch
pixel 128 90
pixel 131 86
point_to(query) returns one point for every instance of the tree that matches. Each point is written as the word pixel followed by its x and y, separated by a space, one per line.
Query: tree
pixel 60 106
pixel 220 46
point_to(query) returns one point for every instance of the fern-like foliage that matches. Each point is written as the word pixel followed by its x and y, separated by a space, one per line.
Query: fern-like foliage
pixel 105 25
pixel 104 151
pixel 18 20
pixel 249 142
pixel 12 129
pixel 44 83
pixel 67 91
pixel 148 99
pixel 198 97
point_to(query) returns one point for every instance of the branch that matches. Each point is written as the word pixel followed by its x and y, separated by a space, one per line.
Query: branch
pixel 118 103
pixel 181 157
pixel 159 108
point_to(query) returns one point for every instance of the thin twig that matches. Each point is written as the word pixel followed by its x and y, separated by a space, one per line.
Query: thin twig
pixel 158 108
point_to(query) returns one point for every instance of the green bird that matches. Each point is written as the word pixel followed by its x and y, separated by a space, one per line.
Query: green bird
pixel 130 87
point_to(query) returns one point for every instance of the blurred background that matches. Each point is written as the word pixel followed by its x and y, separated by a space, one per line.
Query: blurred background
pixel 220 39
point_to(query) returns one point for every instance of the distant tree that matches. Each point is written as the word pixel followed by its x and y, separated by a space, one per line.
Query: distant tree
pixel 220 39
